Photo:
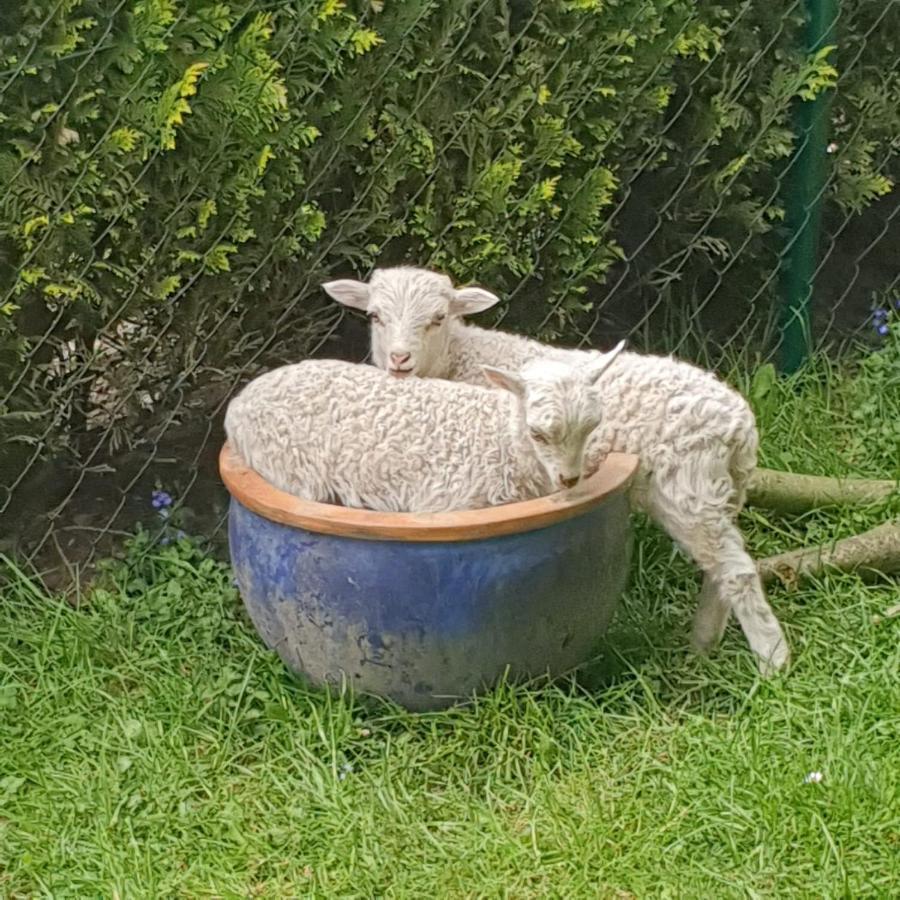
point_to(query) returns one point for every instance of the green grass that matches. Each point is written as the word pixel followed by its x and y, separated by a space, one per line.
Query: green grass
pixel 151 747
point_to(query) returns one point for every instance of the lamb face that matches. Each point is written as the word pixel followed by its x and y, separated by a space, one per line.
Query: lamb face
pixel 410 311
pixel 560 408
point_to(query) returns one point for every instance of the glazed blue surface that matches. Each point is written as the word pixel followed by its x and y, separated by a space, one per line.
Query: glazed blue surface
pixel 428 623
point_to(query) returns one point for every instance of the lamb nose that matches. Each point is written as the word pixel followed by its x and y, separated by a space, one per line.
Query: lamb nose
pixel 399 358
pixel 568 482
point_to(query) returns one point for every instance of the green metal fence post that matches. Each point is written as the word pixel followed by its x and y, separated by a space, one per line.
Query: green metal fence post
pixel 804 188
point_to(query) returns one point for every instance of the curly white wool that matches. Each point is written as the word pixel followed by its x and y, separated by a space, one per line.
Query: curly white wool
pixel 696 437
pixel 337 432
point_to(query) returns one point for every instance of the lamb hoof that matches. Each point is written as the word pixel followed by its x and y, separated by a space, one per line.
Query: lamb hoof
pixel 704 645
pixel 777 660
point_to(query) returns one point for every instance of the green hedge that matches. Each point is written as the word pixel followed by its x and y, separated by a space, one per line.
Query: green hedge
pixel 194 168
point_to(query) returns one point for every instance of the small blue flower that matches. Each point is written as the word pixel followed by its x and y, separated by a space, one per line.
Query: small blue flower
pixel 897 303
pixel 160 499
pixel 880 313
pixel 883 330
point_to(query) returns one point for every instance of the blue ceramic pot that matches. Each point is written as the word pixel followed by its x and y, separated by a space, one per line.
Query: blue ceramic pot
pixel 427 609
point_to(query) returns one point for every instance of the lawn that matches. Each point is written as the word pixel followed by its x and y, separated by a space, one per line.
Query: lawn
pixel 151 747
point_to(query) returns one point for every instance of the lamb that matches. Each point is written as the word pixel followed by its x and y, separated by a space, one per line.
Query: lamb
pixel 695 437
pixel 338 432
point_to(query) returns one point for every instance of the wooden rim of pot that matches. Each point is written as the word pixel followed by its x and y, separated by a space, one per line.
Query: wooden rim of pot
pixel 252 491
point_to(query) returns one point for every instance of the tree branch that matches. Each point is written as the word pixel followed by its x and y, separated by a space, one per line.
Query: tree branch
pixel 789 493
pixel 872 553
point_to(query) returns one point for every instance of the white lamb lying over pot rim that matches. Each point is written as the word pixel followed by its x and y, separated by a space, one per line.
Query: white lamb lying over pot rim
pixel 696 437
pixel 338 432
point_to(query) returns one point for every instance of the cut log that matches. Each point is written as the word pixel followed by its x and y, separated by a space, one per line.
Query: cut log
pixel 873 553
pixel 786 492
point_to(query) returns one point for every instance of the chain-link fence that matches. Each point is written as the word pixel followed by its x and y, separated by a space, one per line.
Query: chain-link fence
pixel 180 175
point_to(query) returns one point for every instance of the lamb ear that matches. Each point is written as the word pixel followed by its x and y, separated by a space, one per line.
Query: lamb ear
pixel 466 301
pixel 349 292
pixel 596 369
pixel 502 379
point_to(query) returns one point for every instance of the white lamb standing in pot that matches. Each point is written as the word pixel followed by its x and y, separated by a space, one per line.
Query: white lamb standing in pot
pixel 695 437
pixel 333 431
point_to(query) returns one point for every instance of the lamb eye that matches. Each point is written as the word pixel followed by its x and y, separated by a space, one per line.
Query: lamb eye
pixel 438 319
pixel 374 318
pixel 540 437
